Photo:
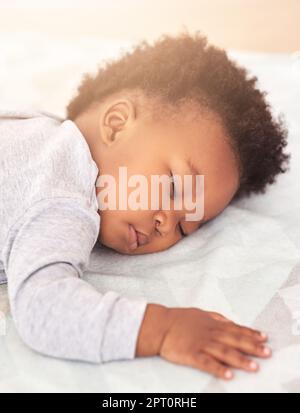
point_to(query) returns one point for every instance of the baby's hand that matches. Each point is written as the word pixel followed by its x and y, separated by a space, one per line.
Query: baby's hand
pixel 210 342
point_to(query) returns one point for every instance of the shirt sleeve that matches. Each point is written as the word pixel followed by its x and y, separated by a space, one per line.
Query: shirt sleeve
pixel 56 312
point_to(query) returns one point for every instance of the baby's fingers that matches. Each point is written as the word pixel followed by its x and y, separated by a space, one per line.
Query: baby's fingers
pixel 219 317
pixel 231 357
pixel 246 331
pixel 244 343
pixel 210 365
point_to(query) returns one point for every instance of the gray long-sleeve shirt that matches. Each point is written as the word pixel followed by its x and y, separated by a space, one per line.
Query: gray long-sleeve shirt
pixel 48 226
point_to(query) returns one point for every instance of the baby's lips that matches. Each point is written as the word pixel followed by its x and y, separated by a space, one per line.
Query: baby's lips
pixel 142 239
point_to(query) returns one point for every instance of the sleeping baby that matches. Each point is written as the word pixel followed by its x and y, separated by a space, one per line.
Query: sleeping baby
pixel 153 146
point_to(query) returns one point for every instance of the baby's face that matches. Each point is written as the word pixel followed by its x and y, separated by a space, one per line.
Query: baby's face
pixel 148 148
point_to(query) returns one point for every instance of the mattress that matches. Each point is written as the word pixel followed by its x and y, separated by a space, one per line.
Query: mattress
pixel 244 264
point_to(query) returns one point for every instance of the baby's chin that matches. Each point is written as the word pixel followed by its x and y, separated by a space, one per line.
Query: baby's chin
pixel 127 251
pixel 113 247
pixel 124 250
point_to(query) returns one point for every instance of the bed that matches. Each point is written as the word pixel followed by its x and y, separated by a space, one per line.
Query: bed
pixel 244 264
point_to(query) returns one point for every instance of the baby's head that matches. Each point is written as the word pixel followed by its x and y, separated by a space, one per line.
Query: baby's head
pixel 178 107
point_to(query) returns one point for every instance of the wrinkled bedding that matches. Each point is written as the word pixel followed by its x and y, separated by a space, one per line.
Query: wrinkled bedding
pixel 244 264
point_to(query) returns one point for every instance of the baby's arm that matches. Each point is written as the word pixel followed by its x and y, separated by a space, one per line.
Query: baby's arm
pixel 59 314
pixel 56 312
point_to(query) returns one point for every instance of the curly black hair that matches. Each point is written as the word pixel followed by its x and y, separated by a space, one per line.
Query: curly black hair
pixel 186 68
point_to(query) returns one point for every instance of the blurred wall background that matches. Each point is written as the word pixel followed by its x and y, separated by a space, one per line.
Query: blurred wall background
pixel 46 46
pixel 260 25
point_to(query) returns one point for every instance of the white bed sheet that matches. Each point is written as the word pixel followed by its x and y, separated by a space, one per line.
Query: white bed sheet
pixel 243 264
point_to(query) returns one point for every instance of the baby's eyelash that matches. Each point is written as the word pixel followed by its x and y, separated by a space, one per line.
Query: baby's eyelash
pixel 172 183
pixel 173 190
pixel 181 230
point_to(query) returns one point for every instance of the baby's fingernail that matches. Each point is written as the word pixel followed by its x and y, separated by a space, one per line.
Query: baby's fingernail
pixel 263 335
pixel 228 374
pixel 253 365
pixel 266 351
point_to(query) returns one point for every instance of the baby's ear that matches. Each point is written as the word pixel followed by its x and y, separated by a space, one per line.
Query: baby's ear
pixel 108 135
